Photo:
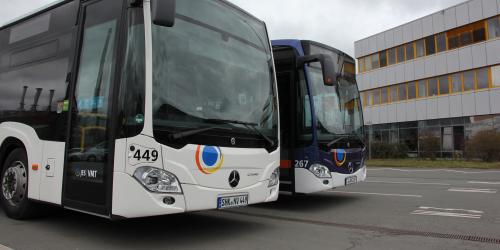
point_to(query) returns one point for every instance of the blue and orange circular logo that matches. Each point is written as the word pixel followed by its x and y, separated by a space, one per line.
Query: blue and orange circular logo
pixel 339 156
pixel 209 159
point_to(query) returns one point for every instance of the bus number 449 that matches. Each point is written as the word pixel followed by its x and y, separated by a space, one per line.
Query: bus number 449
pixel 147 155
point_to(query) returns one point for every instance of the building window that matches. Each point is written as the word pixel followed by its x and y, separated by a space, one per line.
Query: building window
pixel 419 48
pixel 376 97
pixel 412 92
pixel 370 98
pixel 385 95
pixel 368 63
pixel 383 58
pixel 401 53
pixel 479 35
pixel 441 42
pixel 465 38
pixel 444 87
pixel 433 87
pixel 482 78
pixel 361 65
pixel 468 80
pixel 391 56
pixel 410 51
pixel 402 92
pixel 375 61
pixel 495 74
pixel 493 28
pixel 430 45
pixel 422 88
pixel 452 42
pixel 456 83
pixel 394 93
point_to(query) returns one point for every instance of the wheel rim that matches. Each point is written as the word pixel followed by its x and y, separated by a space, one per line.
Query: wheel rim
pixel 14 183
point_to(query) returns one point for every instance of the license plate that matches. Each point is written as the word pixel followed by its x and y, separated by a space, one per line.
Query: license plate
pixel 351 180
pixel 232 201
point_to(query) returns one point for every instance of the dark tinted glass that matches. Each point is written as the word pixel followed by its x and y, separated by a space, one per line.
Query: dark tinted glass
pixel 430 45
pixel 402 92
pixel 482 78
pixel 376 97
pixel 385 95
pixel 456 83
pixel 419 48
pixel 479 35
pixel 433 87
pixel 401 53
pixel 383 58
pixel 493 27
pixel 410 51
pixel 444 87
pixel 468 80
pixel 441 42
pixel 391 56
pixel 422 88
pixel 412 91
pixel 465 38
pixel 452 42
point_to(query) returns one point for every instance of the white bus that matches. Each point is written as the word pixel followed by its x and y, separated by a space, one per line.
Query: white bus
pixel 137 108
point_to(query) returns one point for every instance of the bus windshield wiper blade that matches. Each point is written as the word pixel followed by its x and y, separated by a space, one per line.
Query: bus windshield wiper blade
pixel 337 140
pixel 342 137
pixel 180 135
pixel 250 125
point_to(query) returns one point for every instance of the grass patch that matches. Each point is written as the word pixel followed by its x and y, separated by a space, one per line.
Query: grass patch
pixel 418 163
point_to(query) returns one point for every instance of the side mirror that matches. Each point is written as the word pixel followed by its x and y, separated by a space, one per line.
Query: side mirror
pixel 163 12
pixel 330 77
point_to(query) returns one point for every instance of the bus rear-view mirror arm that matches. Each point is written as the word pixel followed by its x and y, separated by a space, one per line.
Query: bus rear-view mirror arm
pixel 163 12
pixel 330 77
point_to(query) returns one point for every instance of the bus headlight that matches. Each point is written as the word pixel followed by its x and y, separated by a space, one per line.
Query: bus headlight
pixel 320 171
pixel 275 178
pixel 157 180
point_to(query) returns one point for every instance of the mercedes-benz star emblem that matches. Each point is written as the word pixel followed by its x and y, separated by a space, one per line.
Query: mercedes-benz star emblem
pixel 234 178
pixel 233 141
pixel 351 169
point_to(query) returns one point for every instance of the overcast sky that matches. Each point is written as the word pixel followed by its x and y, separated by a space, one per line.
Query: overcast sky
pixel 337 23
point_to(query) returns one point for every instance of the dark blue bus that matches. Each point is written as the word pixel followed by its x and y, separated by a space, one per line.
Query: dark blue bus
pixel 322 145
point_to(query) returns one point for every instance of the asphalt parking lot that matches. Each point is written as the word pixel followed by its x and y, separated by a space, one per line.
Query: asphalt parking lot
pixel 394 209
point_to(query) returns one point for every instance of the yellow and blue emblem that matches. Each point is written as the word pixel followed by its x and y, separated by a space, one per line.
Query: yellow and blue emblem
pixel 209 159
pixel 339 156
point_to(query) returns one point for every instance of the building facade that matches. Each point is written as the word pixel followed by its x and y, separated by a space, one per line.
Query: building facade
pixel 435 76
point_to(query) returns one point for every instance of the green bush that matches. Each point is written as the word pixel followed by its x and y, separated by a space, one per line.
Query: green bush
pixel 430 146
pixel 382 150
pixel 484 145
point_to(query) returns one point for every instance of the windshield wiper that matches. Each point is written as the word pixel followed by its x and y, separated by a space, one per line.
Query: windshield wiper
pixel 250 125
pixel 342 137
pixel 183 134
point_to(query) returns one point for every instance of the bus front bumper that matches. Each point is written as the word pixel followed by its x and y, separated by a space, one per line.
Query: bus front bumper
pixel 306 182
pixel 132 200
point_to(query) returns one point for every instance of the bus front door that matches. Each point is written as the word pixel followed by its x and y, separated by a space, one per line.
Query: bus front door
pixel 89 156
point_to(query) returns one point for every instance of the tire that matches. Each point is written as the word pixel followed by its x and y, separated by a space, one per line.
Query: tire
pixel 14 186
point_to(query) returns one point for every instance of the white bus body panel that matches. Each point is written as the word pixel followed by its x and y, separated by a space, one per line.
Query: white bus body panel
pixel 306 182
pixel 44 184
pixel 200 191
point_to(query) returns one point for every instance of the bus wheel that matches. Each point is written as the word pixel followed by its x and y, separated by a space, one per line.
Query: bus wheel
pixel 14 182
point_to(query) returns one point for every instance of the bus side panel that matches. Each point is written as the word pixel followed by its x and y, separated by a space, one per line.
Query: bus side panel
pixel 52 172
pixel 34 150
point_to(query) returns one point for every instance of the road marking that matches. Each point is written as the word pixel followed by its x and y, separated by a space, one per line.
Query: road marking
pixel 448 212
pixel 433 170
pixel 484 182
pixel 473 190
pixel 409 182
pixel 381 194
pixel 453 209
